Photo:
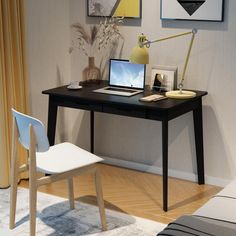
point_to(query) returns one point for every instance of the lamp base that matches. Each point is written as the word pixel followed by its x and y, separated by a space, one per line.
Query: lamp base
pixel 180 95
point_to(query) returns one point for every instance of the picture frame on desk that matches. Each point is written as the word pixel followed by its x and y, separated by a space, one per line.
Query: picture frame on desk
pixel 163 78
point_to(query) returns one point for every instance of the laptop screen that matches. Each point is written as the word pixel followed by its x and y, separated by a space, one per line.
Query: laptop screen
pixel 122 73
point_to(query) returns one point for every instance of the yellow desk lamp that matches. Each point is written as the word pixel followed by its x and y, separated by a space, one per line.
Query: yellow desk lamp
pixel 140 55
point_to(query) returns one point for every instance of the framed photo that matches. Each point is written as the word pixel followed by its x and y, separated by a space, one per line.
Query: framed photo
pixel 163 78
pixel 204 10
pixel 116 8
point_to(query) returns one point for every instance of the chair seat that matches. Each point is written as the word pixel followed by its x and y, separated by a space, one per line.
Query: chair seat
pixel 64 157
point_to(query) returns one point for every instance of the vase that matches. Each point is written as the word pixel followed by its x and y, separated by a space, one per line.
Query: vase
pixel 91 72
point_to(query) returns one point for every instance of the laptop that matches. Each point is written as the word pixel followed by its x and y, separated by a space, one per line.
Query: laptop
pixel 125 78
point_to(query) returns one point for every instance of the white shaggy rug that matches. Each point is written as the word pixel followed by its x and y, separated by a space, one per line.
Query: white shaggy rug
pixel 55 218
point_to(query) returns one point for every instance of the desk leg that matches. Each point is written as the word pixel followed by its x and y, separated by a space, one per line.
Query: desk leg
pixel 198 131
pixel 165 163
pixel 92 131
pixel 52 120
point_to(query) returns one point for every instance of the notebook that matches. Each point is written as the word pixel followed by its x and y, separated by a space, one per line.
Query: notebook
pixel 125 78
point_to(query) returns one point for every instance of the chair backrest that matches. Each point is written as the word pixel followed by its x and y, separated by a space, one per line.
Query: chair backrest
pixel 23 122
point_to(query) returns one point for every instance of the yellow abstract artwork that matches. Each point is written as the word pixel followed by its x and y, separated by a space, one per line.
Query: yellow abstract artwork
pixel 117 8
pixel 128 8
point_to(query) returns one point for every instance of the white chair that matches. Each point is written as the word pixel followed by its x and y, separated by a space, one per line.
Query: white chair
pixel 61 161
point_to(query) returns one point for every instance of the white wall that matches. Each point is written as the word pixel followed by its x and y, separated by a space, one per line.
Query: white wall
pixel 211 68
pixel 48 31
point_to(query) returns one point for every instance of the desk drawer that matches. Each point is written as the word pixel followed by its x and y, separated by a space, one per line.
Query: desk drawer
pixel 90 107
pixel 82 105
pixel 124 111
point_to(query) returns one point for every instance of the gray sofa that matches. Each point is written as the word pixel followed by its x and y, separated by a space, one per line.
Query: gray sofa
pixel 217 217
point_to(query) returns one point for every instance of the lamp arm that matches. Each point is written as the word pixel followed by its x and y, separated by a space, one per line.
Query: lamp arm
pixel 166 38
pixel 187 60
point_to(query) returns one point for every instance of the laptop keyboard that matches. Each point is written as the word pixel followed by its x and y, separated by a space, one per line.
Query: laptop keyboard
pixel 121 90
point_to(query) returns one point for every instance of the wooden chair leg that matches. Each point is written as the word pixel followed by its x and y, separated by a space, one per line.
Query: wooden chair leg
pixel 13 195
pixel 100 199
pixel 32 182
pixel 71 193
pixel 33 208
pixel 14 175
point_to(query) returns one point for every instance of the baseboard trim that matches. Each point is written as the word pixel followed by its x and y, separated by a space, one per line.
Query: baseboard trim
pixel 157 170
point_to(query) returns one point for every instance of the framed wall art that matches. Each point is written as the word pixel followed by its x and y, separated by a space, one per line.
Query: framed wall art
pixel 116 8
pixel 204 10
pixel 163 78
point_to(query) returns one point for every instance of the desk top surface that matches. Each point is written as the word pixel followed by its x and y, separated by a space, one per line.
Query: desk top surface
pixel 87 94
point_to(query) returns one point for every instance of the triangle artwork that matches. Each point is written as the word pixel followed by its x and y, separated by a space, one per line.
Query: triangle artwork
pixel 191 6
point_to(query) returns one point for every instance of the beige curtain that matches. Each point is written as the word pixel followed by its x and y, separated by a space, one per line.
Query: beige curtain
pixel 13 78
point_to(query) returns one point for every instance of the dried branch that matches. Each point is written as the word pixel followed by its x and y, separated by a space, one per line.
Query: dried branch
pixel 100 37
pixel 94 31
pixel 82 32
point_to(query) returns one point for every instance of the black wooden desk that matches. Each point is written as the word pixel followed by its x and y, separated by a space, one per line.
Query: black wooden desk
pixel 163 111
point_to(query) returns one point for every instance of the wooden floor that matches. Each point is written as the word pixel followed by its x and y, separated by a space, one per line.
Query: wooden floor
pixel 137 193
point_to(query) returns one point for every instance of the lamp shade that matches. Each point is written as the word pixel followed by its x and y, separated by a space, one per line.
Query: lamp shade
pixel 139 55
